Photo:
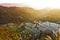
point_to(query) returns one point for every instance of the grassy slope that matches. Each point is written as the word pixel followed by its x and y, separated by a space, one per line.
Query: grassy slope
pixel 25 14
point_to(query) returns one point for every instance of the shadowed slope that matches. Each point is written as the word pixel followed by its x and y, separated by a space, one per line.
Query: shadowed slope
pixel 17 14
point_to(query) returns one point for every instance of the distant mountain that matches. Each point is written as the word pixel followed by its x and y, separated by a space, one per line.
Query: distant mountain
pixel 52 15
pixel 17 14
pixel 27 14
pixel 13 4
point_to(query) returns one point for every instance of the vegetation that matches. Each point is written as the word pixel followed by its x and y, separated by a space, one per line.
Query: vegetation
pixel 24 23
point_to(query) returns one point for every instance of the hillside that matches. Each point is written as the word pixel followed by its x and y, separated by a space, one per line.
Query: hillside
pixel 32 24
pixel 17 14
pixel 52 15
pixel 27 14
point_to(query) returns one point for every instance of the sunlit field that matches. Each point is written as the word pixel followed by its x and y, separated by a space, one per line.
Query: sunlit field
pixel 26 23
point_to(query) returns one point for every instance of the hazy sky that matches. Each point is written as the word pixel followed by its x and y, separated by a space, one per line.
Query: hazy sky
pixel 36 3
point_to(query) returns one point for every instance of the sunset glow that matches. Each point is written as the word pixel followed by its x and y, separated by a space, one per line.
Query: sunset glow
pixel 37 4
